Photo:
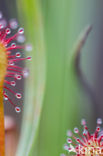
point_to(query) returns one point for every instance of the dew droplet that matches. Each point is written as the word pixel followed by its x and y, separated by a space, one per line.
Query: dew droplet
pixel 8 31
pixel 11 63
pixel 76 130
pixel 5 97
pixel 21 38
pixel 69 133
pixel 13 24
pixel 28 47
pixel 69 140
pixel 83 122
pixel 25 73
pixel 18 77
pixel 1 26
pixel 3 22
pixel 17 109
pixel 21 30
pixel 99 121
pixel 18 95
pixel 18 54
pixel 13 45
pixel 28 58
pixel 66 147
pixel 13 83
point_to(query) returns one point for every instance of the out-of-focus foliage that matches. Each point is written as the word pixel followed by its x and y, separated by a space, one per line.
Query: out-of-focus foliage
pixel 54 97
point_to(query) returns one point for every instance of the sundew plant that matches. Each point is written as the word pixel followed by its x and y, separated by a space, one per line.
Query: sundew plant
pixel 85 144
pixel 51 77
pixel 10 71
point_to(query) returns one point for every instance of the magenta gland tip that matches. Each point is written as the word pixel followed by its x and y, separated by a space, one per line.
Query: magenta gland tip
pixel 86 142
pixel 10 41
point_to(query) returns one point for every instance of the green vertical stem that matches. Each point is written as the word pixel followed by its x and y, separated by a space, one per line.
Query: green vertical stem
pixel 65 101
pixel 35 84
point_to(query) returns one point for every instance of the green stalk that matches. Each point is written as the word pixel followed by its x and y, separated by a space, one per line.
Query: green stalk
pixel 35 84
pixel 63 102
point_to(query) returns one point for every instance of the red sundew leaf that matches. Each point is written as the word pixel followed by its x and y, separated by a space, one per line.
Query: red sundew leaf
pixel 9 69
pixel 3 66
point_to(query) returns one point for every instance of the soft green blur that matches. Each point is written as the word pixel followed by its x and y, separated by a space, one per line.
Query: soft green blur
pixel 54 97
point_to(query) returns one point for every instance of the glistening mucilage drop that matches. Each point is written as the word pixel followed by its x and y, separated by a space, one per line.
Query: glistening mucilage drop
pixel 12 55
pixel 10 71
pixel 85 144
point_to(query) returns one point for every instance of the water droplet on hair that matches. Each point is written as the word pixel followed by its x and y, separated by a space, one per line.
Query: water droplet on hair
pixel 69 140
pixel 21 30
pixel 66 147
pixel 69 133
pixel 99 121
pixel 21 38
pixel 18 96
pixel 5 97
pixel 1 26
pixel 83 122
pixel 13 45
pixel 28 47
pixel 17 109
pixel 13 24
pixel 3 22
pixel 18 54
pixel 29 58
pixel 76 130
pixel 18 77
pixel 11 63
pixel 13 83
pixel 25 73
pixel 8 31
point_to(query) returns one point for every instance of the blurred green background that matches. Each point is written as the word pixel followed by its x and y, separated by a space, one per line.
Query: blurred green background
pixel 56 95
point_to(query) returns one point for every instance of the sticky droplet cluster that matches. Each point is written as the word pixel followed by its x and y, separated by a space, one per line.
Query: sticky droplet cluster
pixel 12 42
pixel 85 144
